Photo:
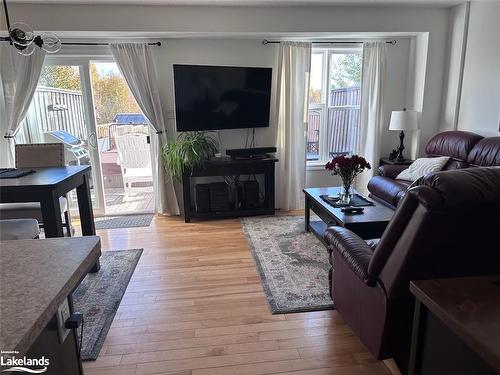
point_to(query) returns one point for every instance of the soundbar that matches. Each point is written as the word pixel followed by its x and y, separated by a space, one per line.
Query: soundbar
pixel 250 153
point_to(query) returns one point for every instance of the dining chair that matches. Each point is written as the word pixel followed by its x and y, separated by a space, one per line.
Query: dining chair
pixel 19 229
pixel 37 155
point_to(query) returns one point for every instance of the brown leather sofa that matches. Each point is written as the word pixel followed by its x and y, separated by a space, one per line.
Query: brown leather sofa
pixel 447 226
pixel 465 150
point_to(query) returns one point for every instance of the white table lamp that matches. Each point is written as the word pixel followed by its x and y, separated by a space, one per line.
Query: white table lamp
pixel 403 120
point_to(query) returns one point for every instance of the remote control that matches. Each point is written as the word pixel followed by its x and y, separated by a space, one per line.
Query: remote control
pixel 352 210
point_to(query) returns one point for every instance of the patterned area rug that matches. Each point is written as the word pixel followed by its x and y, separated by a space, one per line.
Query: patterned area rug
pixel 99 295
pixel 125 221
pixel 293 264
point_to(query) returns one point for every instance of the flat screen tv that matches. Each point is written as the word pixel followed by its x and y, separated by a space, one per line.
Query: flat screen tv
pixel 221 97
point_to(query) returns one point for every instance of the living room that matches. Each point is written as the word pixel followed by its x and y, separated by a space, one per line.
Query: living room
pixel 296 258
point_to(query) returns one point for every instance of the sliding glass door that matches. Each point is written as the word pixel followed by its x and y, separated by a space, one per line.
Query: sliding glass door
pixel 86 104
pixel 123 142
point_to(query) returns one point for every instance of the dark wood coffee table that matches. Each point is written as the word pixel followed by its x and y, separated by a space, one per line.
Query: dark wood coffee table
pixel 370 224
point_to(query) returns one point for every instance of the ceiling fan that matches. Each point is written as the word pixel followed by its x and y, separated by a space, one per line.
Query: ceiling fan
pixel 24 39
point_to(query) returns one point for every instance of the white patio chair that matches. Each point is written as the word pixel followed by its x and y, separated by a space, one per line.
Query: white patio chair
pixel 134 157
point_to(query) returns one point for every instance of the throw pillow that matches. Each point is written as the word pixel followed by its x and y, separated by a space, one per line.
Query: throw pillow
pixel 421 167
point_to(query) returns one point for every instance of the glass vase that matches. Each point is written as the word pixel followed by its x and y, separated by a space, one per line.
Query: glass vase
pixel 346 192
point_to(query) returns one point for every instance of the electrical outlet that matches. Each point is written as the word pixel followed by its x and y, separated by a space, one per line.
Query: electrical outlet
pixel 63 313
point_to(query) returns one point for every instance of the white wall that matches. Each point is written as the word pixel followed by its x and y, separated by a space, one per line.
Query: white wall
pixel 126 21
pixel 233 22
pixel 229 52
pixel 216 52
pixel 457 38
pixel 197 19
pixel 252 53
pixel 415 90
pixel 480 99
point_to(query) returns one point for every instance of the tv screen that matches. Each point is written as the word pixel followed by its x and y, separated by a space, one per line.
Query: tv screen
pixel 221 97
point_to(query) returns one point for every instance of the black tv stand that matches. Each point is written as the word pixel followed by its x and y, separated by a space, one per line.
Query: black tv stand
pixel 231 167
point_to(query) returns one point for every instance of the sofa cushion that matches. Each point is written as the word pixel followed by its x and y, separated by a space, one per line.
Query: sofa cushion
pixel 453 164
pixel 458 188
pixel 421 167
pixel 388 189
pixel 486 153
pixel 391 171
pixel 455 144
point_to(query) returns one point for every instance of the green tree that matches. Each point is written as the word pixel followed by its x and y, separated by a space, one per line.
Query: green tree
pixel 111 95
pixel 346 70
pixel 60 76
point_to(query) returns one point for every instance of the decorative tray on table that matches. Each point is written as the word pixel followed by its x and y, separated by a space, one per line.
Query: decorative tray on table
pixel 357 200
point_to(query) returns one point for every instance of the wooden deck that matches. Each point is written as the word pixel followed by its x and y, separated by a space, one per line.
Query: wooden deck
pixel 139 200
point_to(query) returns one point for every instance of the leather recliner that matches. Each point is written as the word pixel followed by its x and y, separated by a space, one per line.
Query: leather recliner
pixel 465 149
pixel 447 226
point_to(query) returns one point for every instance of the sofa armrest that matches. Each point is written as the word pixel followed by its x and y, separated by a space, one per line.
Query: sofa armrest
pixel 354 251
pixel 391 171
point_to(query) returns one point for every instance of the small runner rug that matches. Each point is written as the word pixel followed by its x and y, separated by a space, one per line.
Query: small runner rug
pixel 99 295
pixel 292 263
pixel 125 221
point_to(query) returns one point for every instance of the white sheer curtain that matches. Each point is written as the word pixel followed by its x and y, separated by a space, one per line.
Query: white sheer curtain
pixel 372 108
pixel 294 66
pixel 137 66
pixel 18 80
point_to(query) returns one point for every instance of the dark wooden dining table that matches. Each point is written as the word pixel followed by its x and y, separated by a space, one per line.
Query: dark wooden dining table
pixel 47 185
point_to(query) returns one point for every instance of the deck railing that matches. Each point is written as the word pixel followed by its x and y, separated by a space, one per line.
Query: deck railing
pixel 342 123
pixel 345 96
pixel 53 109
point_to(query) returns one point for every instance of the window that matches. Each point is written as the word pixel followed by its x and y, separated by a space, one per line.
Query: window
pixel 334 102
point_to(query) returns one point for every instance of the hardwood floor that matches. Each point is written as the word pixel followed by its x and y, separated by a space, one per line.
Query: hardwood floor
pixel 195 306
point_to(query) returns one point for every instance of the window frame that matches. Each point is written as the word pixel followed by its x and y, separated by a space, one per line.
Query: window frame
pixel 325 106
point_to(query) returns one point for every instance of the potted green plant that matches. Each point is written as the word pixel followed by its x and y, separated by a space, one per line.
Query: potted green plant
pixel 190 150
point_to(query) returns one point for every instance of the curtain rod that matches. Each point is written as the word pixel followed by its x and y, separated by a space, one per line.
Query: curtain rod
pixel 265 42
pixel 7 39
pixel 101 44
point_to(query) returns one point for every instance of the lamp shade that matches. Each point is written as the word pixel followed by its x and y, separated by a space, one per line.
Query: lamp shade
pixel 403 120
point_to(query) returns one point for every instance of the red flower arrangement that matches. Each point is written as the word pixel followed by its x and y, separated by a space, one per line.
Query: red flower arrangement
pixel 347 167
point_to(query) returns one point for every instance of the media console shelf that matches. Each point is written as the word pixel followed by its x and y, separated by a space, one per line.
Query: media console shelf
pixel 230 167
